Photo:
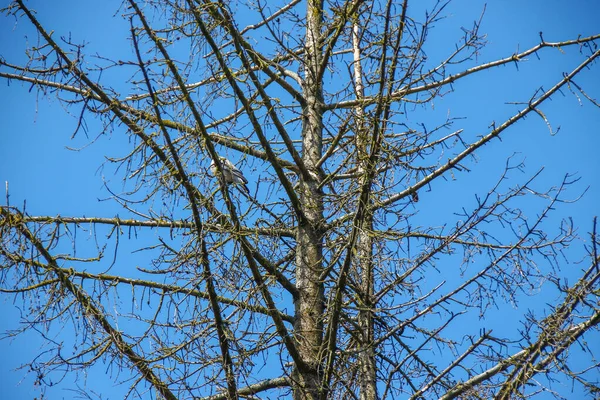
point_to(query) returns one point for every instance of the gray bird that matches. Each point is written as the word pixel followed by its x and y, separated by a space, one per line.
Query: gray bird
pixel 231 173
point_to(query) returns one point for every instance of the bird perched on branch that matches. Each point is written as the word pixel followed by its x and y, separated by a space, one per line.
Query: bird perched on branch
pixel 231 174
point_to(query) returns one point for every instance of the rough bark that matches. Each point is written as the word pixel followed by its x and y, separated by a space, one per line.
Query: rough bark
pixel 309 251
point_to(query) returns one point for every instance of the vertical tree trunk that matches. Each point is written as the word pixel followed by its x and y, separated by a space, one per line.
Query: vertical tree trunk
pixel 366 355
pixel 309 260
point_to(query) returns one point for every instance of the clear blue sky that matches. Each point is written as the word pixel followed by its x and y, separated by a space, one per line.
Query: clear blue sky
pixel 36 131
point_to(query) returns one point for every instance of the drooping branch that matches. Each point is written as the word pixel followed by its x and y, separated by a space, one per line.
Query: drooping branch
pixel 88 306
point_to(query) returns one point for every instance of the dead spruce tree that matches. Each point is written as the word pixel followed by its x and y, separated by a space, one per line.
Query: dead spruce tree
pixel 329 278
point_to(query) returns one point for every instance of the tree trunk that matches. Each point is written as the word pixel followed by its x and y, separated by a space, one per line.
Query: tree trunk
pixel 366 353
pixel 309 252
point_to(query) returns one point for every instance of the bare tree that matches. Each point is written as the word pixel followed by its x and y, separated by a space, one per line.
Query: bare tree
pixel 316 282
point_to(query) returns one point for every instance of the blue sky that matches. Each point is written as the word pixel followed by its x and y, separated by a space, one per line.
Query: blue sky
pixel 53 180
